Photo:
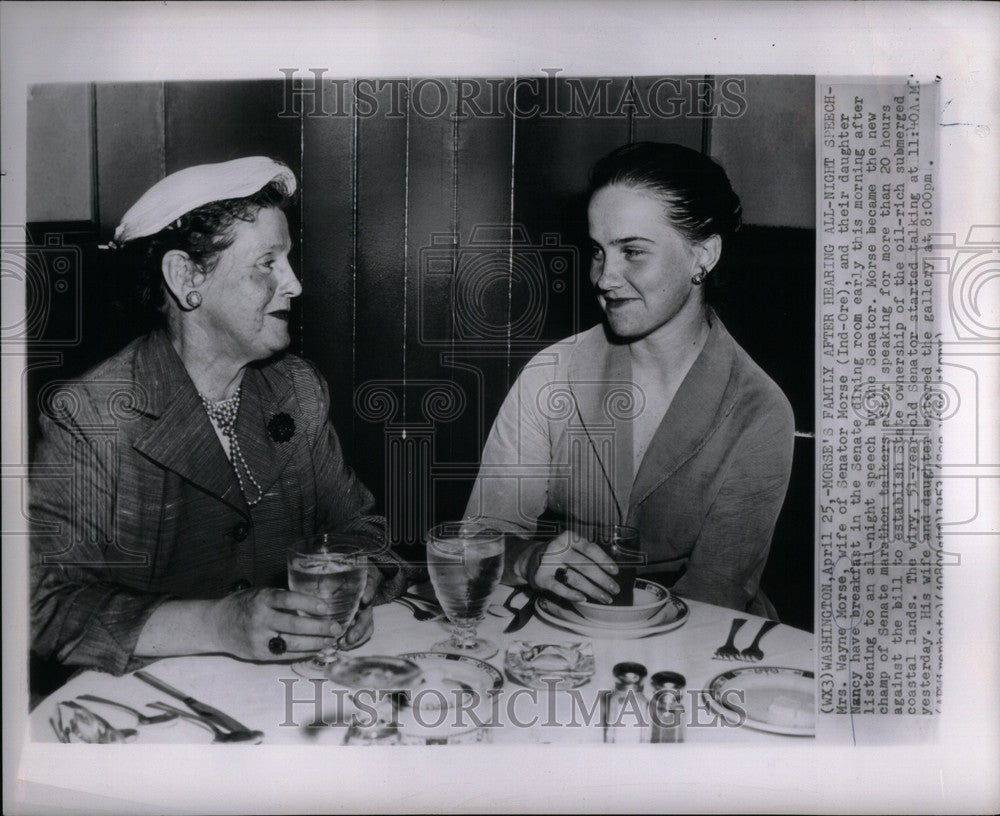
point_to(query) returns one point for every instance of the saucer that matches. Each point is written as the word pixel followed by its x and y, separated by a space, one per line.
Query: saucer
pixel 672 616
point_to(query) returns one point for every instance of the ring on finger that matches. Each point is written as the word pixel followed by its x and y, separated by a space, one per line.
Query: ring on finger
pixel 277 645
pixel 562 575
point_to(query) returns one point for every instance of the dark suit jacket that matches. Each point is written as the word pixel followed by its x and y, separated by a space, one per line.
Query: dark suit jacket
pixel 709 488
pixel 133 500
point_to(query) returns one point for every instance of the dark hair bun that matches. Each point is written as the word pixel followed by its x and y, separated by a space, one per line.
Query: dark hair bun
pixel 699 199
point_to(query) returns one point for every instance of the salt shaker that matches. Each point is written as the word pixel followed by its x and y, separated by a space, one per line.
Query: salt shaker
pixel 626 708
pixel 666 710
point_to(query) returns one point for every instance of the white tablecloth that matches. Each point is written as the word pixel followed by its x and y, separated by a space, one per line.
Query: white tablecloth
pixel 260 695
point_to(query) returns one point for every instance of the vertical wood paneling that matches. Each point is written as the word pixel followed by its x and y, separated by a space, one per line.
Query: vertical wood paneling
pixel 129 131
pixel 328 262
pixel 430 237
pixel 673 115
pixel 553 158
pixel 216 121
pixel 485 149
pixel 60 153
pixel 381 270
pixel 769 151
pixel 429 313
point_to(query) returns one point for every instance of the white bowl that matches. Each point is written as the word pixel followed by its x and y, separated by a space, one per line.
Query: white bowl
pixel 648 599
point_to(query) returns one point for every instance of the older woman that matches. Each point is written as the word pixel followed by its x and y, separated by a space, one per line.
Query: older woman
pixel 171 477
pixel 656 419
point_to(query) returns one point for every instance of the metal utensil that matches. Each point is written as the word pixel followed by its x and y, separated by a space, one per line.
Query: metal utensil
pixel 219 735
pixel 523 614
pixel 78 723
pixel 430 603
pixel 203 709
pixel 728 650
pixel 142 719
pixel 419 612
pixel 753 652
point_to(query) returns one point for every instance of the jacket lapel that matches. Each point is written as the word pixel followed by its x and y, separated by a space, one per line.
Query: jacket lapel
pixel 267 393
pixel 600 378
pixel 689 421
pixel 181 437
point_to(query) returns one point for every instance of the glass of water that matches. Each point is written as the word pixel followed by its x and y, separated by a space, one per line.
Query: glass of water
pixel 465 561
pixel 332 567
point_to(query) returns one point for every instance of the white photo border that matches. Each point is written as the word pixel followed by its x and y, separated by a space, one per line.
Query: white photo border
pixel 63 42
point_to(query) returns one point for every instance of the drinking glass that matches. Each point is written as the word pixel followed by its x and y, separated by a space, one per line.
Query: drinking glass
pixel 333 567
pixel 622 543
pixel 465 561
pixel 387 679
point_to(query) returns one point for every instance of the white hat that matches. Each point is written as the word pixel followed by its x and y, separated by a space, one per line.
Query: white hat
pixel 193 187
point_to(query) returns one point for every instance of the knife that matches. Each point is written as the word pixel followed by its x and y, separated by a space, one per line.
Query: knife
pixel 203 709
pixel 522 615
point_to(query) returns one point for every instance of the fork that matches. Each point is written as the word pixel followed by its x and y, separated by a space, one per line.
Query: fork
pixel 237 735
pixel 728 650
pixel 753 652
pixel 142 719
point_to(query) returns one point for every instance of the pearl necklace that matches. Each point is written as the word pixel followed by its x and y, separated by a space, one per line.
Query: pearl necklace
pixel 224 414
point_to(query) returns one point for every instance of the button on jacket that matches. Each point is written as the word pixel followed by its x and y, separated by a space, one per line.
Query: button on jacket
pixel 133 500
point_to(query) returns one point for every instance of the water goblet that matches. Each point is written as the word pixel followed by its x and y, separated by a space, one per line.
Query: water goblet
pixel 332 567
pixel 465 561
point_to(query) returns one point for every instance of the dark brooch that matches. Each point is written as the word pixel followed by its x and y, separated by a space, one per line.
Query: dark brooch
pixel 281 427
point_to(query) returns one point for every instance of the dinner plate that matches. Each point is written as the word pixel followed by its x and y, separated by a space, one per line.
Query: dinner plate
pixel 774 699
pixel 673 615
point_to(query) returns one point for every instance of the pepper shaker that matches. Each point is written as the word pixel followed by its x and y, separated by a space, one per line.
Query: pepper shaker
pixel 666 710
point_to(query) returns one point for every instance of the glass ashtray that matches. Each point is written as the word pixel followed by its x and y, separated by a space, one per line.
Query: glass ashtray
pixel 550 665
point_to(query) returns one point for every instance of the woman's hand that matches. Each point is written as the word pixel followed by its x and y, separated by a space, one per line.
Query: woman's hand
pixel 585 569
pixel 243 623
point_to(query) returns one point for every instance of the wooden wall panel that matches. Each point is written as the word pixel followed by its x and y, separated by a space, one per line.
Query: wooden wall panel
pixel 672 115
pixel 60 172
pixel 328 270
pixel 553 157
pixel 381 262
pixel 769 151
pixel 485 147
pixel 130 152
pixel 219 121
pixel 430 387
pixel 430 237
